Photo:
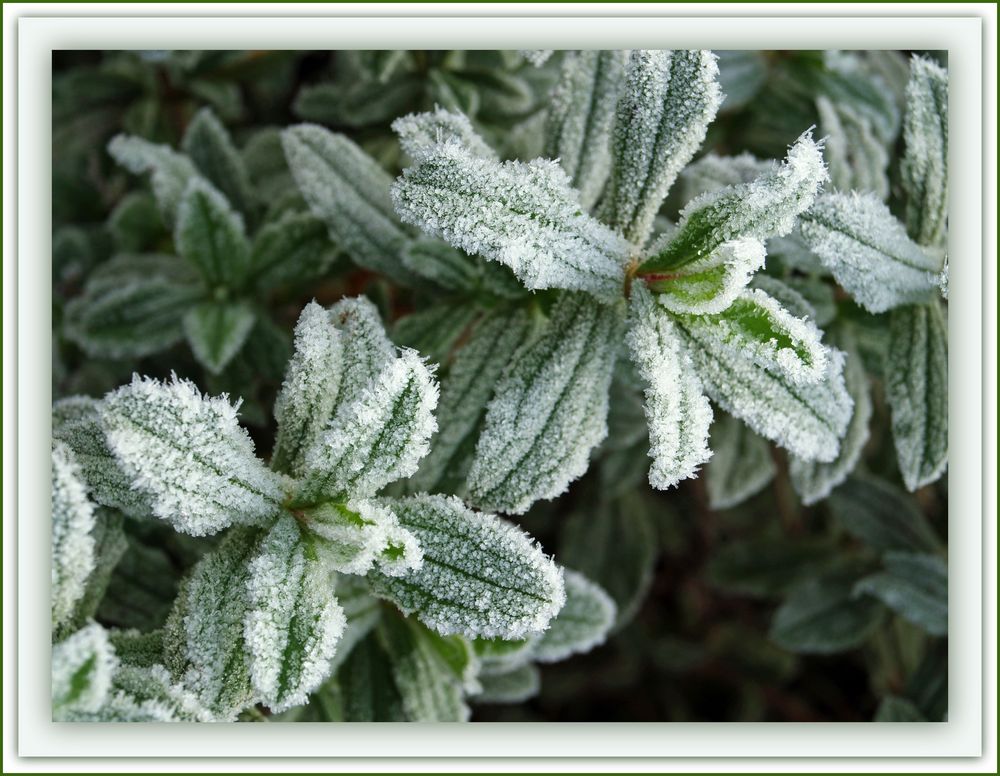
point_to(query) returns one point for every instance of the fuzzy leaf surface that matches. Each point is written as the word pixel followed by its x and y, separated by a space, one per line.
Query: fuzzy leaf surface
pixel 217 330
pixel 211 235
pixel 73 550
pixel 169 170
pixel 582 624
pixel 208 144
pixel 925 163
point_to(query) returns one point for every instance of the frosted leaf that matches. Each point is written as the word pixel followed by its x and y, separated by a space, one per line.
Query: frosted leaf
pixel 765 207
pixel 712 283
pixel 915 585
pixel 668 100
pixel 204 644
pixel 537 57
pixel 713 173
pixel 188 454
pixel 72 544
pixel 783 292
pixel 420 132
pixel 439 262
pixel 924 167
pixel 367 685
pixel 496 656
pixel 362 610
pixel 146 694
pixel 348 191
pixel 211 235
pixel 807 419
pixel 757 329
pixel 741 465
pixel 868 252
pixel 308 395
pixel 677 413
pixel 353 537
pixel 378 439
pixel 549 408
pixel 293 249
pixel 815 481
pixel 209 146
pixel 170 171
pixel 82 668
pixel 132 307
pixel 514 686
pixel 437 329
pixel 791 251
pixel 856 157
pixel 579 119
pixel 582 624
pixel 481 576
pixel 216 331
pixel 917 391
pixel 76 422
pixel 293 622
pixel 523 215
pixel 466 390
pixel 428 689
pixel 367 350
pixel 110 545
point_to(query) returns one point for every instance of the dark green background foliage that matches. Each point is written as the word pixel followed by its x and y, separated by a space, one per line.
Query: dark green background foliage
pixel 763 610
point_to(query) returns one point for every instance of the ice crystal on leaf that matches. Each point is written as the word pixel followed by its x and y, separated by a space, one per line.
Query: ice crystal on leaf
pixel 421 132
pixel 82 668
pixel 72 545
pixel 581 624
pixel 170 171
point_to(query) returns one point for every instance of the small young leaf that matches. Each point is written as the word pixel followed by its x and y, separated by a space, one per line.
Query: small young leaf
pixel 582 624
pixel 73 557
pixel 216 331
pixel 925 164
pixel 82 668
pixel 481 575
pixel 523 215
pixel 579 119
pixel 765 207
pixel 668 100
pixel 741 464
pixel 883 516
pixel 170 170
pixel 917 390
pixel 293 622
pixel 677 412
pixel 915 586
pixel 188 454
pixel 868 252
pixel 294 249
pixel 513 686
pixel 211 235
pixel 549 408
pixel 349 192
pixel 209 146
pixel 421 132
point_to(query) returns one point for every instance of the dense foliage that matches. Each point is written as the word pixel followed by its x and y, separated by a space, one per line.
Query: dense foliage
pixel 416 385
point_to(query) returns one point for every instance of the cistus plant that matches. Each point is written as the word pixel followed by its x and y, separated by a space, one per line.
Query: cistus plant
pixel 593 294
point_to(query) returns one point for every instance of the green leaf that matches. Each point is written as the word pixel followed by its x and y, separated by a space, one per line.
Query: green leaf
pixel 209 146
pixel 925 163
pixel 766 567
pixel 857 157
pixel 677 412
pixel 449 268
pixel 821 617
pixel 614 543
pixel 868 252
pixel 928 685
pixel 82 668
pixel 582 624
pixel 135 223
pixel 147 694
pixel 917 389
pixel 913 585
pixel 481 576
pixel 216 331
pixel 73 547
pixel 580 116
pixel 435 330
pixel 188 455
pixel 713 172
pixel 892 708
pixel 882 516
pixel 211 235
pixel 549 408
pixel 294 249
pixel 668 100
pixel 765 207
pixel 362 611
pixel 170 171
pixel 513 686
pixel 293 622
pixel 132 306
pixel 814 481
pixel 524 215
pixel 741 75
pixel 369 688
pixel 109 547
pixel 741 464
pixel 349 192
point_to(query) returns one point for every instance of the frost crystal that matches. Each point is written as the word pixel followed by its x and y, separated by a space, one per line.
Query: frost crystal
pixel 549 408
pixel 925 164
pixel 582 624
pixel 481 576
pixel 367 351
pixel 668 101
pixel 537 57
pixel 868 252
pixel 523 215
pixel 579 119
pixel 293 622
pixel 189 455
pixel 170 170
pixel 676 411
pixel 766 207
pixel 72 544
pixel 421 132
